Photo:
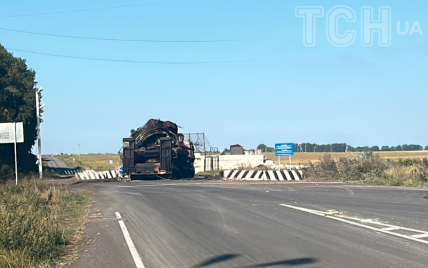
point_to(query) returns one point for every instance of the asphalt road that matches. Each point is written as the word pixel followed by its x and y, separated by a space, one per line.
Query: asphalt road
pixel 54 162
pixel 210 224
pixel 56 165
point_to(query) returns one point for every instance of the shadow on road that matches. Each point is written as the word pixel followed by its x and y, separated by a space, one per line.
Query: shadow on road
pixel 220 258
pixel 228 257
pixel 293 262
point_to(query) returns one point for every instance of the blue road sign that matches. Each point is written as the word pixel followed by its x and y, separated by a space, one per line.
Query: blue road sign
pixel 121 170
pixel 284 149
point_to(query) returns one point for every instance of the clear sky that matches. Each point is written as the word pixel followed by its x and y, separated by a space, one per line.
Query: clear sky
pixel 267 87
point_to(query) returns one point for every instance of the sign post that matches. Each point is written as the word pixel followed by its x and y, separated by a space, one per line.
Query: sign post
pixel 284 149
pixel 12 133
pixel 14 149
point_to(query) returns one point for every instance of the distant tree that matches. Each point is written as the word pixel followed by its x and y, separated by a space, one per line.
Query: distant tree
pixel 17 104
pixel 265 149
pixel 262 147
pixel 226 151
pixel 338 147
pixel 426 148
pixel 307 147
pixel 375 149
pixel 385 148
pixel 296 147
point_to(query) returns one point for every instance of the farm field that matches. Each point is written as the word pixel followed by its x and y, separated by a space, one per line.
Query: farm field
pixel 102 161
pixel 303 158
pixel 91 161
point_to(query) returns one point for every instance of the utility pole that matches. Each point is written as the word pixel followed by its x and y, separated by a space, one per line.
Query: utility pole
pixel 39 137
pixel 78 152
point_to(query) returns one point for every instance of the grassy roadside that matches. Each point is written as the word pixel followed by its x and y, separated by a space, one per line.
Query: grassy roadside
pixel 39 223
pixel 370 169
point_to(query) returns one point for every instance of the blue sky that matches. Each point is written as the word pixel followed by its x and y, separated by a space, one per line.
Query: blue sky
pixel 273 88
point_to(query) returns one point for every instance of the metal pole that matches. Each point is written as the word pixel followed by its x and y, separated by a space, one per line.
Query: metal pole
pixel 16 158
pixel 289 158
pixel 279 162
pixel 39 141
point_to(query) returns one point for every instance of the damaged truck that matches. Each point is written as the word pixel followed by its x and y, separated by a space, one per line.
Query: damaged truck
pixel 157 150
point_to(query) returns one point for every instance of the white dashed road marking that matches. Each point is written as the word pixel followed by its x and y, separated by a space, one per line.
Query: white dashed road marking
pixel 131 246
pixel 384 228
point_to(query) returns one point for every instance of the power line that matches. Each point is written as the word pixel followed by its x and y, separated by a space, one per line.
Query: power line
pixel 127 61
pixel 79 6
pixel 89 9
pixel 125 40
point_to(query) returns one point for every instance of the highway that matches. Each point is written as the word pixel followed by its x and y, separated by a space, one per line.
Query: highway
pixel 226 224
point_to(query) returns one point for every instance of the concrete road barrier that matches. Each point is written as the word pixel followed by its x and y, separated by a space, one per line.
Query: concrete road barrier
pixel 265 175
pixel 96 175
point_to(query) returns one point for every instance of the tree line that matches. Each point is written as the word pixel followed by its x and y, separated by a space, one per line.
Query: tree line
pixel 343 147
pixel 17 104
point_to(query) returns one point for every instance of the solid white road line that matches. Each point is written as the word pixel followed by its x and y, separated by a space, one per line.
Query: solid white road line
pixel 131 246
pixel 391 228
pixel 419 235
pixel 387 227
pixel 342 219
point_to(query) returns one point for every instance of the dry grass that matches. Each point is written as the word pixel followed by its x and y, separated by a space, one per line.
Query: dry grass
pixel 37 223
pixel 370 169
pixel 92 161
pixel 305 158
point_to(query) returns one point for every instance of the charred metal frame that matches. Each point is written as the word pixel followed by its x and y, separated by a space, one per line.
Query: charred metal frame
pixel 201 143
pixel 157 150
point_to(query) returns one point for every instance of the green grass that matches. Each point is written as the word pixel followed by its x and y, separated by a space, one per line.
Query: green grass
pixel 38 222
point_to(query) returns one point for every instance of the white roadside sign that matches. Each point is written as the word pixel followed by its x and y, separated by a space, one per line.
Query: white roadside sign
pixel 7 132
pixel 12 133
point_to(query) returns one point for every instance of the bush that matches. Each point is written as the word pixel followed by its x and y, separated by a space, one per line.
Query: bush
pixel 371 169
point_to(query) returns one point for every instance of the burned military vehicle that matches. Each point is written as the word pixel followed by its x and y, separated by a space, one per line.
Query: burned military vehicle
pixel 157 150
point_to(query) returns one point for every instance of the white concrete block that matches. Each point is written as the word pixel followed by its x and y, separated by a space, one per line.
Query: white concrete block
pixel 241 174
pixel 271 175
pixel 280 176
pixel 91 174
pixel 296 177
pixel 287 175
pixel 248 176
pixel 81 176
pixel 239 161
